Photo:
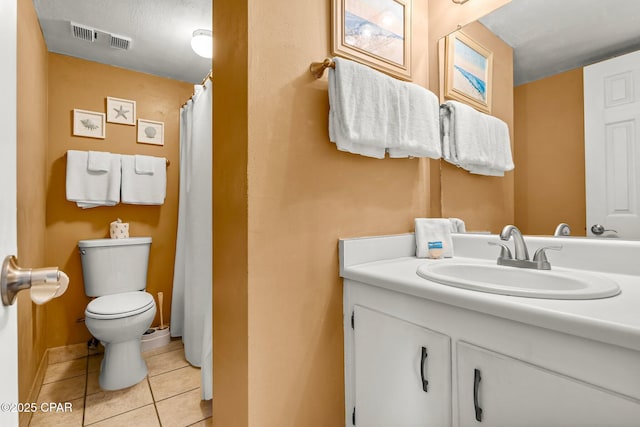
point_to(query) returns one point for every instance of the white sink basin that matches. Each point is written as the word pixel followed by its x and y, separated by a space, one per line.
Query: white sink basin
pixel 497 279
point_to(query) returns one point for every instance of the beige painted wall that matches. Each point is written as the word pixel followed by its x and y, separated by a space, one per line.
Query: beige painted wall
pixel 31 180
pixel 75 83
pixel 283 196
pixel 549 179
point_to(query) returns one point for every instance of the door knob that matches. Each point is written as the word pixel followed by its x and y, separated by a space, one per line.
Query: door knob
pixel 598 229
pixel 44 283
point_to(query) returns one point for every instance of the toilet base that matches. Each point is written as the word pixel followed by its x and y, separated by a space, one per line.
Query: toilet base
pixel 122 366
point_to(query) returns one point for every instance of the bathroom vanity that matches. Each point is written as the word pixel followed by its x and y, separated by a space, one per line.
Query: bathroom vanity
pixel 421 353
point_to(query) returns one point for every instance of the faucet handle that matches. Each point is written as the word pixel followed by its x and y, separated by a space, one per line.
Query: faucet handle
pixel 540 257
pixel 505 252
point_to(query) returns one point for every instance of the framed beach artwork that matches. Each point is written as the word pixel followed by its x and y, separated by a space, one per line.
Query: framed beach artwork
pixel 150 132
pixel 121 111
pixel 468 71
pixel 88 123
pixel 376 33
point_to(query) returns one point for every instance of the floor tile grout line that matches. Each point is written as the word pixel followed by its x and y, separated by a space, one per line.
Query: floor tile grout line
pixel 153 398
pixel 65 378
pixel 171 370
pixel 86 385
pixel 116 415
pixel 178 394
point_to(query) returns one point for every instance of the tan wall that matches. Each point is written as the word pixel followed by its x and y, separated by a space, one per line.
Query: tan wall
pixel 75 83
pixel 31 160
pixel 485 203
pixel 549 178
pixel 276 283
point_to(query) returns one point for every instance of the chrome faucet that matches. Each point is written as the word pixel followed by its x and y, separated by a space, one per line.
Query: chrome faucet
pixel 562 229
pixel 521 253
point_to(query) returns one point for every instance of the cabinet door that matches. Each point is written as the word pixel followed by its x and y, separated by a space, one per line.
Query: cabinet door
pixel 392 357
pixel 510 392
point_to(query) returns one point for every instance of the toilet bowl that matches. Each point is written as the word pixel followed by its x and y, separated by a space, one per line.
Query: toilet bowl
pixel 118 321
pixel 115 271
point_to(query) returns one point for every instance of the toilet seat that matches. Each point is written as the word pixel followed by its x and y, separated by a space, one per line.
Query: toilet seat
pixel 117 306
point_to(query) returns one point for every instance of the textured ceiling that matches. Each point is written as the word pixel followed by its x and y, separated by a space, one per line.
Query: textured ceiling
pixel 551 36
pixel 160 31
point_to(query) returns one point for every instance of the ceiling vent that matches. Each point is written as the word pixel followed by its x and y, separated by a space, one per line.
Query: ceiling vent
pixel 83 32
pixel 119 42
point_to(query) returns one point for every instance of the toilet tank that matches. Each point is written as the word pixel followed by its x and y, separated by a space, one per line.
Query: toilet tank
pixel 111 266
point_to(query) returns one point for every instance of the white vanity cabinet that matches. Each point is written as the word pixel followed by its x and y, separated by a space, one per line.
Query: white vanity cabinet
pixel 402 372
pixel 497 390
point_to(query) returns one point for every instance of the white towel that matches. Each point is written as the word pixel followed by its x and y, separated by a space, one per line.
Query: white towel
pixel 142 189
pixel 457 225
pixel 418 133
pixel 433 230
pixel 475 141
pixel 144 164
pixel 88 188
pixel 371 112
pixel 99 161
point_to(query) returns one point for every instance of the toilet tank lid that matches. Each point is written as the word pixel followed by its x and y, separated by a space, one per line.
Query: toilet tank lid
pixel 93 243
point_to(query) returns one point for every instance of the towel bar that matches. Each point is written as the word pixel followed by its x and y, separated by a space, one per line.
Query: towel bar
pixel 168 162
pixel 317 68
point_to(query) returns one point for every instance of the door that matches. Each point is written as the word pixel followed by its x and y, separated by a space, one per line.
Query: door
pixel 8 238
pixel 402 373
pixel 612 150
pixel 496 390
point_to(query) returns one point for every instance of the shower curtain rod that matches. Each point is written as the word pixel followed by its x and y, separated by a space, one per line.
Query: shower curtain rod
pixel 207 77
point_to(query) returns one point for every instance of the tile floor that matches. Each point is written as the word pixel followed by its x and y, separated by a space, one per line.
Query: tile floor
pixel 168 397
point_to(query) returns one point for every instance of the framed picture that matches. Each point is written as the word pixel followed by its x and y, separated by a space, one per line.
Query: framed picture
pixel 121 111
pixel 150 132
pixel 88 123
pixel 468 71
pixel 376 33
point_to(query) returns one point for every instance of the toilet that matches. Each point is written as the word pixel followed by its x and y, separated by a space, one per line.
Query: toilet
pixel 115 271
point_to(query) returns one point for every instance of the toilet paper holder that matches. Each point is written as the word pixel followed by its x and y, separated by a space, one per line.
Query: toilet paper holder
pixel 14 279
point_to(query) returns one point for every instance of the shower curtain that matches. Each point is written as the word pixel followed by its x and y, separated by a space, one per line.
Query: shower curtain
pixel 192 281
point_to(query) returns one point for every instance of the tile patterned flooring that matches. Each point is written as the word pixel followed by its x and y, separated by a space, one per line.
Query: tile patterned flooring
pixel 168 397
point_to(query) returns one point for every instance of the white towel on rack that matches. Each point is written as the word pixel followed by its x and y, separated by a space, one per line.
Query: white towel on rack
pixel 371 112
pixel 144 164
pixel 99 161
pixel 90 189
pixel 418 118
pixel 144 189
pixel 475 141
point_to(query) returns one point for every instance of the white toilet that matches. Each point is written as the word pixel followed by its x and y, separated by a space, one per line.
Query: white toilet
pixel 115 271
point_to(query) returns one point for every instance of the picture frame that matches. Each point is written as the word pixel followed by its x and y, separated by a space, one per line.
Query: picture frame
pixel 468 71
pixel 121 111
pixel 90 124
pixel 376 33
pixel 150 132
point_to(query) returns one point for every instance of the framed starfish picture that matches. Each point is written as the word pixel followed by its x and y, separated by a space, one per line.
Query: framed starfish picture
pixel 122 111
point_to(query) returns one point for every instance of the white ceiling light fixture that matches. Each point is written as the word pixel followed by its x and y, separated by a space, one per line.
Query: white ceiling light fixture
pixel 202 43
pixel 459 1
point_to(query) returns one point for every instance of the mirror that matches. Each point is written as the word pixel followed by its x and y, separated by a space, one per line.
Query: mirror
pixel 552 42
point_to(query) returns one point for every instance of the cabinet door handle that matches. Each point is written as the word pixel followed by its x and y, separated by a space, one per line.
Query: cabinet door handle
pixel 476 391
pixel 423 360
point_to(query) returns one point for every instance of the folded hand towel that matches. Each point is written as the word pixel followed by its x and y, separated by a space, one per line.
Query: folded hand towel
pixel 140 189
pixel 433 230
pixel 475 141
pixel 457 225
pixel 144 164
pixel 371 112
pixel 90 189
pixel 99 161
